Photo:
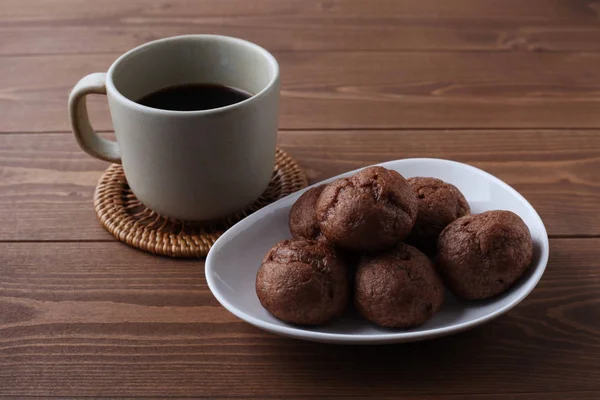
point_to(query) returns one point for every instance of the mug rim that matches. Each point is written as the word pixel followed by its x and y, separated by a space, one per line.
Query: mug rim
pixel 110 86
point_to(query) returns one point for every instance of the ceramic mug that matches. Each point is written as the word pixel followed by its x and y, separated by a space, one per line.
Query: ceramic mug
pixel 190 165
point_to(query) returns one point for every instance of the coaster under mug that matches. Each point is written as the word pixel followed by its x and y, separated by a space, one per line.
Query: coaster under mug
pixel 126 218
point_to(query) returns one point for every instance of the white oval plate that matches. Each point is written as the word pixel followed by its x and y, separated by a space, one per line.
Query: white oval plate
pixel 235 257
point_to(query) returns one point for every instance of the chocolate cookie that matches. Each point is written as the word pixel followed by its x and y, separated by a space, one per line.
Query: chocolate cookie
pixel 303 282
pixel 483 255
pixel 303 215
pixel 398 289
pixel 371 211
pixel 440 203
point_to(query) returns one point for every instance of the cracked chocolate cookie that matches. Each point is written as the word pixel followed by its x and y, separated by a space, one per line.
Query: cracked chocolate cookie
pixel 440 203
pixel 303 282
pixel 398 289
pixel 371 211
pixel 303 215
pixel 483 255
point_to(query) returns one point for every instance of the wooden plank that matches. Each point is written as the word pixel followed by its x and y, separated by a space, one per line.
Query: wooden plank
pixel 14 11
pixel 48 182
pixel 557 396
pixel 302 33
pixel 578 395
pixel 102 319
pixel 116 26
pixel 355 90
pixel 47 189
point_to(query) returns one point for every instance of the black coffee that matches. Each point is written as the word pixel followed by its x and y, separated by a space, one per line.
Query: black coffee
pixel 194 97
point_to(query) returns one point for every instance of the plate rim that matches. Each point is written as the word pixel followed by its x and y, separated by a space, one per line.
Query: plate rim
pixel 392 337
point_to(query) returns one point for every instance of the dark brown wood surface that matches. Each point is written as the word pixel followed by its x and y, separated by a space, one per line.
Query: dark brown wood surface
pixel 355 89
pixel 512 87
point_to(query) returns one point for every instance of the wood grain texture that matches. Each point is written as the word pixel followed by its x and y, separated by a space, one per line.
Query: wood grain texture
pixel 580 395
pixel 116 26
pixel 355 90
pixel 48 181
pixel 100 319
pixel 14 11
pixel 302 33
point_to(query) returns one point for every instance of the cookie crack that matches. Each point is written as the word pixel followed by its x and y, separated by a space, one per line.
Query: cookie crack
pixel 336 199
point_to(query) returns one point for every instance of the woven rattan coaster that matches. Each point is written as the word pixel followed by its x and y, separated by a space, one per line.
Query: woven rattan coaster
pixel 123 215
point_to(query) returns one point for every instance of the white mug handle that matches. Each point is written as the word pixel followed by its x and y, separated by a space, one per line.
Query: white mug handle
pixel 87 138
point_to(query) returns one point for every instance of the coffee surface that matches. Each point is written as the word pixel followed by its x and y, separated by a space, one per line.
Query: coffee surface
pixel 194 97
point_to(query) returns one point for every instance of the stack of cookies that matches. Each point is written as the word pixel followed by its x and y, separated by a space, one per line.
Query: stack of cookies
pixel 389 246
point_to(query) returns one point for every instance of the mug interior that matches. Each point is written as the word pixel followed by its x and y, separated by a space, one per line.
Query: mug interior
pixel 181 60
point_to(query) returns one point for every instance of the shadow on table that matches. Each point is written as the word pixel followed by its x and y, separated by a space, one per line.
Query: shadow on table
pixel 482 360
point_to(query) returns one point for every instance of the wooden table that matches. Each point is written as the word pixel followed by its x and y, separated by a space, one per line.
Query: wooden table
pixel 512 87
